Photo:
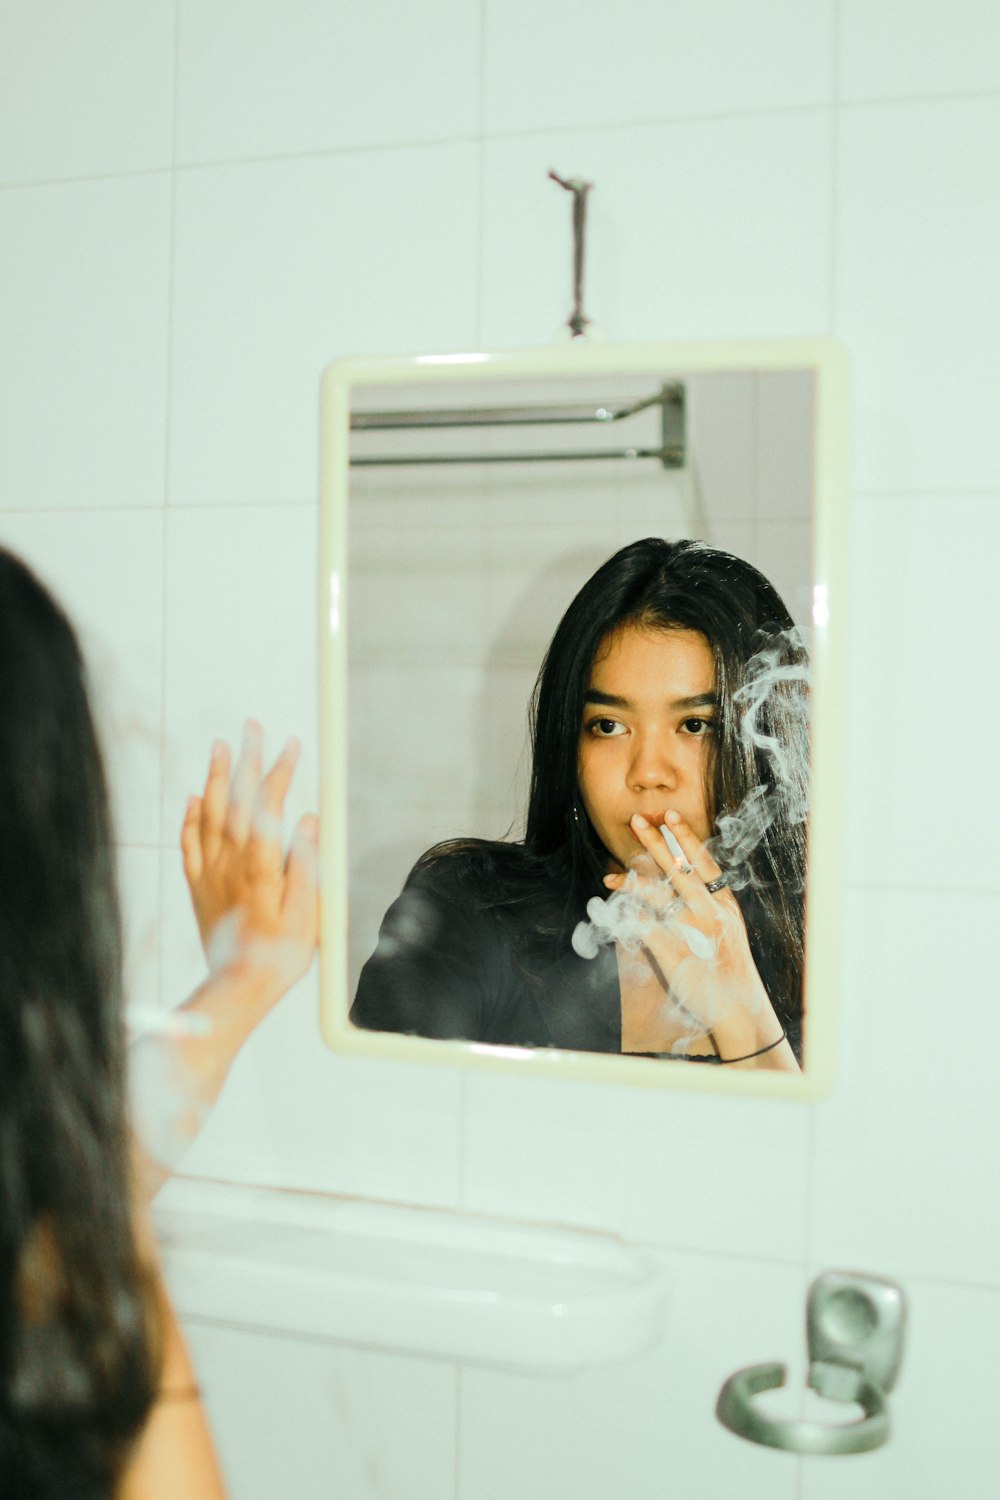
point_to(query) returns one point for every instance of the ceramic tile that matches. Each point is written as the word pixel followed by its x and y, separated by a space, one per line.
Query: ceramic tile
pixel 731 237
pixel 786 416
pixel 785 555
pixel 899 1178
pixel 942 1410
pixel 241 634
pixel 415 590
pixel 919 562
pixel 84 353
pixel 645 1426
pixel 888 49
pixel 915 303
pixel 677 1170
pixel 340 1421
pixel 294 1113
pixel 85 90
pixel 281 268
pixel 722 440
pixel 390 736
pixel 562 65
pixel 105 568
pixel 285 76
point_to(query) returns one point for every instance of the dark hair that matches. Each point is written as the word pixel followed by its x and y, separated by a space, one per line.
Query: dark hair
pixel 77 1362
pixel 685 584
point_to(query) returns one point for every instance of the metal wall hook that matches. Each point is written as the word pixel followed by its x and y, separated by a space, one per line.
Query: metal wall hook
pixel 854 1330
pixel 578 320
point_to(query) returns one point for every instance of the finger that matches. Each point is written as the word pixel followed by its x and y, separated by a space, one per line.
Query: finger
pixel 299 903
pixel 653 842
pixel 690 844
pixel 246 779
pixel 214 801
pixel 689 878
pixel 684 876
pixel 273 790
pixel 191 841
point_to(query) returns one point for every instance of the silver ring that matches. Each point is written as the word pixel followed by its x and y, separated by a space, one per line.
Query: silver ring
pixel 718 884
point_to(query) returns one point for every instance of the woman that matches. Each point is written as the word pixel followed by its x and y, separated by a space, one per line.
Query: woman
pixel 673 696
pixel 97 1396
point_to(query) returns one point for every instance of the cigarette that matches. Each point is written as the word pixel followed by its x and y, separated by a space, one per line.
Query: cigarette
pixel 674 846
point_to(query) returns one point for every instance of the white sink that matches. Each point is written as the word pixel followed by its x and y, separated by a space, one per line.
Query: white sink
pixel 424 1281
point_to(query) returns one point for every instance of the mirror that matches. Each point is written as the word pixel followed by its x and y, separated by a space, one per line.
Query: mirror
pixel 466 500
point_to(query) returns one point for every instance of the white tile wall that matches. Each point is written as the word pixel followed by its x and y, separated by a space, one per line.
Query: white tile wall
pixel 901 1169
pixel 149 314
pixel 614 1430
pixel 702 228
pixel 889 49
pixel 85 90
pixel 579 62
pixel 83 359
pixel 916 303
pixel 923 584
pixel 677 1170
pixel 289 77
pixel 368 1426
pixel 268 263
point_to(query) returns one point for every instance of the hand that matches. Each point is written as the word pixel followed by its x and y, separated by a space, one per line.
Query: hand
pixel 698 939
pixel 257 911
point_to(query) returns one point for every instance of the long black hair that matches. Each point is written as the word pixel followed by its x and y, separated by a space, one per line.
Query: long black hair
pixel 686 584
pixel 77 1341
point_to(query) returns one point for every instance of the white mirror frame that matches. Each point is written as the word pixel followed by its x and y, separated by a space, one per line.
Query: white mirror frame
pixel 827 361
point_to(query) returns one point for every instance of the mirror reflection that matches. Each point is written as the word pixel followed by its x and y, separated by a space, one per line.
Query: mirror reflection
pixel 579 713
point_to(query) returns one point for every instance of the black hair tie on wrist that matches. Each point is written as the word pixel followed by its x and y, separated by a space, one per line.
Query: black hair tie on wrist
pixel 759 1053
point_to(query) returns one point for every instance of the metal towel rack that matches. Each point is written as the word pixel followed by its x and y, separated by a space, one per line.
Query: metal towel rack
pixel 671 450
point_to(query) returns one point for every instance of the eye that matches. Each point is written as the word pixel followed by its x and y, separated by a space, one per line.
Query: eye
pixel 605 729
pixel 698 727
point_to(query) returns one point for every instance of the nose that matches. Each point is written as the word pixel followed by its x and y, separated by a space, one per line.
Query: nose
pixel 652 765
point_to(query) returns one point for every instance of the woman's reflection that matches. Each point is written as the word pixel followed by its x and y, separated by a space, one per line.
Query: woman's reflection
pixel 655 905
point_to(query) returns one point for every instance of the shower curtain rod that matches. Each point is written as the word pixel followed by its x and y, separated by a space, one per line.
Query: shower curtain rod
pixel 670 452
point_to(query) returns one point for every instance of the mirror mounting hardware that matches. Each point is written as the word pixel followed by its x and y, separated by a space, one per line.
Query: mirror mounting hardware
pixel 578 322
pixel 854 1331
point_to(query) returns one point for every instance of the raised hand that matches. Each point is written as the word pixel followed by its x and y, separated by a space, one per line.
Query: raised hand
pixel 698 940
pixel 257 910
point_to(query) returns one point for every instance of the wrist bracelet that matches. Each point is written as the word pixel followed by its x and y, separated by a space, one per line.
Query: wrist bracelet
pixel 759 1053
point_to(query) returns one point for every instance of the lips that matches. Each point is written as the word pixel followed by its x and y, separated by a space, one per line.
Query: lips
pixel 654 819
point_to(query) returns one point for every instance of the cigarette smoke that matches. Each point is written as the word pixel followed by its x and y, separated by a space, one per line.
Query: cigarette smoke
pixel 775 691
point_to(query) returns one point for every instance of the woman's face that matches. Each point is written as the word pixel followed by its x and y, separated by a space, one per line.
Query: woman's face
pixel 646 734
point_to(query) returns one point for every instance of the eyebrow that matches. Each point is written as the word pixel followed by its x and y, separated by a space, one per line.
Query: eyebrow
pixel 611 700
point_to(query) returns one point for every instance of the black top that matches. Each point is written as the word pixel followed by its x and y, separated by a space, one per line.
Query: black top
pixel 451 966
pixel 454 964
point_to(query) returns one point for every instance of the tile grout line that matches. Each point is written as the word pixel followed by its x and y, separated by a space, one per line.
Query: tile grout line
pixel 164 568
pixel 651 122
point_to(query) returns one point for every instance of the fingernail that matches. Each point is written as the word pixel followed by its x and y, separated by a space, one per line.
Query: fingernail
pixel 218 749
pixel 673 817
pixel 292 747
pixel 638 821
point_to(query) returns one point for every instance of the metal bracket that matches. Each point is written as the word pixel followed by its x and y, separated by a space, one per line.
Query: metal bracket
pixel 854 1331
